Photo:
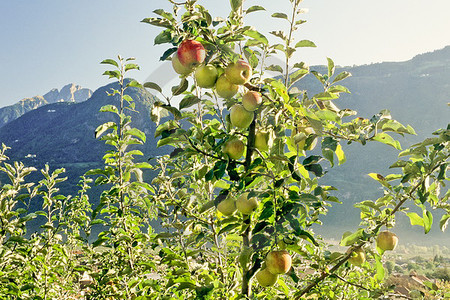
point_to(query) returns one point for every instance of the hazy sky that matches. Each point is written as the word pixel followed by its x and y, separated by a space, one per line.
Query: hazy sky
pixel 49 43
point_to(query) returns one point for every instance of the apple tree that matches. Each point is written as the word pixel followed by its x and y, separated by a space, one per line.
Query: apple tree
pixel 241 190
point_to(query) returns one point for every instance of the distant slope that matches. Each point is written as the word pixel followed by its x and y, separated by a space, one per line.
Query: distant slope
pixel 69 93
pixel 416 92
pixel 63 132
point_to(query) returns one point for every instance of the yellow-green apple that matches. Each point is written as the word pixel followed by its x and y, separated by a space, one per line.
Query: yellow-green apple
pixel 278 262
pixel 191 53
pixel 246 205
pixel 265 278
pixel 300 134
pixel 240 117
pixel 239 72
pixel 178 67
pixel 227 206
pixel 387 240
pixel 251 100
pixel 262 140
pixel 234 147
pixel 358 257
pixel 206 76
pixel 225 88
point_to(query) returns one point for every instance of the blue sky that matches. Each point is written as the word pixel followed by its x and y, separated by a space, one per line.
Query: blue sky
pixel 49 43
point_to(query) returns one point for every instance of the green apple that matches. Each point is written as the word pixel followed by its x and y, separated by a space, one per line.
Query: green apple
pixel 234 148
pixel 265 278
pixel 178 67
pixel 240 117
pixel 278 262
pixel 239 72
pixel 227 206
pixel 191 53
pixel 262 140
pixel 251 100
pixel 358 257
pixel 206 76
pixel 387 240
pixel 300 134
pixel 246 205
pixel 225 88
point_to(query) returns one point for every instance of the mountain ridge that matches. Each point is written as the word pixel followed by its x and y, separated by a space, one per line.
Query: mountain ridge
pixel 68 93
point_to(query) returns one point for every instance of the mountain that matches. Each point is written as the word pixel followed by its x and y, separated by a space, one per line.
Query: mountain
pixel 69 93
pixel 63 132
pixel 416 92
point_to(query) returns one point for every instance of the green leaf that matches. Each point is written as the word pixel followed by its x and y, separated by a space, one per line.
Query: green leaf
pixel 177 90
pixel 305 43
pixel 340 154
pixel 135 84
pixel 236 4
pixel 338 89
pixel 105 126
pixel 328 115
pixel 254 8
pixel 112 74
pixel 280 15
pixel 444 222
pixel 110 62
pixel 152 85
pixel 163 37
pixel 228 228
pixel 331 67
pixel 380 269
pixel 131 67
pixel 137 133
pixel 388 140
pixel 188 101
pixel 427 221
pixel 175 112
pixel 415 219
pixel 158 22
pixel 350 239
pixel 297 75
pixel 168 53
pixel 257 36
pixel 109 108
pixel 341 76
pixel 275 68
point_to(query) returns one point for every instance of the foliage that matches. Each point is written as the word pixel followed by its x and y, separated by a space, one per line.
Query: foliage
pixel 201 253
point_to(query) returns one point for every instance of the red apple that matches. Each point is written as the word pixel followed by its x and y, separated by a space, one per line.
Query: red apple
pixel 278 262
pixel 191 53
pixel 251 100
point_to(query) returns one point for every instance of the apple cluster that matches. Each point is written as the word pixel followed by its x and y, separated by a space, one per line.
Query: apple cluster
pixel 244 204
pixel 276 263
pixel 190 56
pixel 386 240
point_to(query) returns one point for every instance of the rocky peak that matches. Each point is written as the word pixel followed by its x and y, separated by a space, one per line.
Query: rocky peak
pixel 69 93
